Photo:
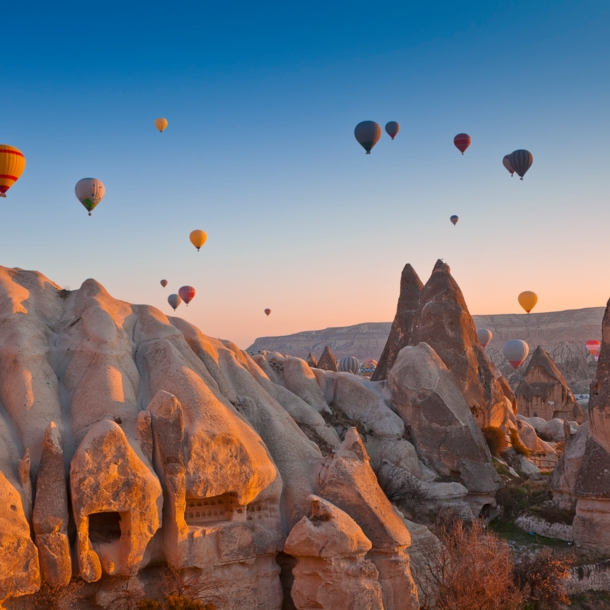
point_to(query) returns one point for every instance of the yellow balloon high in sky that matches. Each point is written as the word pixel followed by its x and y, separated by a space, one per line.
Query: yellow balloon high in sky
pixel 12 164
pixel 198 238
pixel 161 124
pixel 528 300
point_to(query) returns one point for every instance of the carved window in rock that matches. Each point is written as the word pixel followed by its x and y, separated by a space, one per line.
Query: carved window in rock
pixel 261 510
pixel 204 511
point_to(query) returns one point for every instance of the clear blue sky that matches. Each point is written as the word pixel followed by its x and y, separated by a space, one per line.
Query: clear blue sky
pixel 262 99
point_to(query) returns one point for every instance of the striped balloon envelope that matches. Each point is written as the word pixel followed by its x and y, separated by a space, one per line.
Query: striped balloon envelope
pixel 349 364
pixel 594 348
pixel 462 141
pixel 12 164
pixel 521 160
pixel 187 294
pixel 516 351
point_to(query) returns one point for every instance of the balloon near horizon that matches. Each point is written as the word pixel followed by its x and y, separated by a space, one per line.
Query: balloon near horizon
pixel 594 348
pixel 528 300
pixel 516 351
pixel 484 335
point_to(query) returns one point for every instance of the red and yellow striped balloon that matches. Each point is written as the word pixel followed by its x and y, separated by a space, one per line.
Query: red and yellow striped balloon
pixel 12 164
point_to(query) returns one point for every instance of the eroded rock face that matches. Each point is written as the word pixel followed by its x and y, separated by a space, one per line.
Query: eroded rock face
pixel 327 361
pixel 400 333
pixel 545 393
pixel 425 394
pixel 332 572
pixel 348 481
pixel 445 324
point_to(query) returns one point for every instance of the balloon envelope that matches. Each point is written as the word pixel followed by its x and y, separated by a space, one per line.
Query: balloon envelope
pixel 187 294
pixel 267 311
pixel 528 300
pixel 367 133
pixel 198 238
pixel 174 300
pixel 12 164
pixel 89 191
pixel 594 348
pixel 462 142
pixel 516 351
pixel 507 165
pixel 161 124
pixel 164 283
pixel 521 160
pixel 454 219
pixel 484 335
pixel 349 364
pixel 392 128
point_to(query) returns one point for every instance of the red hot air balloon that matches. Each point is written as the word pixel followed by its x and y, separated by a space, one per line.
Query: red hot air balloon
pixel 187 294
pixel 267 311
pixel 594 348
pixel 164 283
pixel 516 351
pixel 462 142
pixel 507 165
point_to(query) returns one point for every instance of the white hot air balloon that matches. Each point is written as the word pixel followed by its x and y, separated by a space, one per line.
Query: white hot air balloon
pixel 89 191
pixel 484 335
pixel 516 351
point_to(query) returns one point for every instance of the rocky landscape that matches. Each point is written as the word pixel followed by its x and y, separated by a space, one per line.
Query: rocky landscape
pixel 561 333
pixel 130 443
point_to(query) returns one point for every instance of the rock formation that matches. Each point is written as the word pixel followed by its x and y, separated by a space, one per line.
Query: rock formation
pixel 544 392
pixel 400 333
pixel 311 360
pixel 444 323
pixel 327 361
pixel 332 572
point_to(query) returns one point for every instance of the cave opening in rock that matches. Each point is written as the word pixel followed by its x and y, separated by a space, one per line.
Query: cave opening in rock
pixel 104 527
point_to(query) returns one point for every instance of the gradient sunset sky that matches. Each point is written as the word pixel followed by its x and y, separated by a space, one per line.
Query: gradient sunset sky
pixel 262 99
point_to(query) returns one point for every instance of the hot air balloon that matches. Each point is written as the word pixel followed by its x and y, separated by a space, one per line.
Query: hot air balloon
pixel 164 283
pixel 368 368
pixel 89 191
pixel 267 312
pixel 528 300
pixel 12 164
pixel 187 294
pixel 594 348
pixel 454 219
pixel 521 161
pixel 462 142
pixel 349 364
pixel 516 351
pixel 174 300
pixel 198 238
pixel 392 128
pixel 484 335
pixel 161 124
pixel 367 133
pixel 507 165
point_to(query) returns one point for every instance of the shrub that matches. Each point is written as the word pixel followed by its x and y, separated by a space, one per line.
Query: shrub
pixel 401 487
pixel 473 569
pixel 542 577
pixel 517 443
pixel 496 440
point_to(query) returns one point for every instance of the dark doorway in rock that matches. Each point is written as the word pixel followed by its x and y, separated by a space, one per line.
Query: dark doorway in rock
pixel 104 527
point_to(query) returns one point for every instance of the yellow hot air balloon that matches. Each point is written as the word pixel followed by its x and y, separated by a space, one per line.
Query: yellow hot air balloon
pixel 12 164
pixel 198 238
pixel 161 124
pixel 528 300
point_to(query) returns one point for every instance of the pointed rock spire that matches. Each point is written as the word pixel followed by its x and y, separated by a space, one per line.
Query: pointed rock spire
pixel 311 360
pixel 400 333
pixel 544 391
pixel 327 361
pixel 445 324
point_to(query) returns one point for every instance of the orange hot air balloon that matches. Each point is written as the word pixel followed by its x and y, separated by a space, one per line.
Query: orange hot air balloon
pixel 187 294
pixel 164 283
pixel 12 164
pixel 161 124
pixel 198 238
pixel 528 300
pixel 267 311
